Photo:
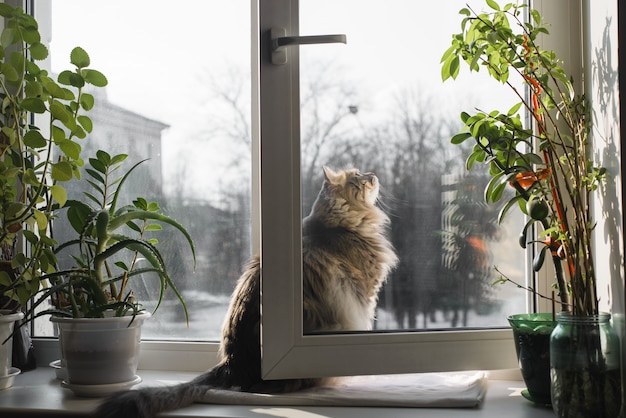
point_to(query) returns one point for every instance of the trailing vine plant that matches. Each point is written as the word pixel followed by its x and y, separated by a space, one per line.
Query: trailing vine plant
pixel 548 164
pixel 35 159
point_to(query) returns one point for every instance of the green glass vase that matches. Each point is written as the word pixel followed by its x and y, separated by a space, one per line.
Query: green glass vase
pixel 531 333
pixel 585 367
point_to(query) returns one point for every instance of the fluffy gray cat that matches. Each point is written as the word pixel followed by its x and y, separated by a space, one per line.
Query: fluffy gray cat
pixel 346 258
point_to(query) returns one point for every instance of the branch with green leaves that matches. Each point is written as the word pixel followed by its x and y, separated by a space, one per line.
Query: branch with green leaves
pixel 548 164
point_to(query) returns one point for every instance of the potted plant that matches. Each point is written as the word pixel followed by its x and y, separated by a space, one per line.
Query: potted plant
pixel 115 244
pixel 550 169
pixel 35 158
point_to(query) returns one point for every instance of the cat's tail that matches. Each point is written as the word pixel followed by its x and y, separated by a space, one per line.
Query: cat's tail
pixel 148 402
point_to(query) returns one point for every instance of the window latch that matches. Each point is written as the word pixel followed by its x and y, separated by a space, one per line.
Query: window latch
pixel 279 40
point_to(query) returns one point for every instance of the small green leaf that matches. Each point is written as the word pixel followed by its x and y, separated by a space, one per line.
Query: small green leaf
pixel 59 194
pixel 71 149
pixel 79 132
pixel 34 139
pixel 94 174
pixel 38 52
pixel 9 72
pixel 535 15
pixel 62 171
pixel 122 265
pixel 471 160
pixel 505 209
pixel 103 157
pixel 85 122
pixel 460 138
pixel 30 177
pixel 76 80
pixel 58 134
pixel 31 35
pixel 98 165
pixel 34 69
pixel 448 53
pixel 95 78
pixel 58 111
pixel 497 192
pixel 53 88
pixel 64 77
pixel 6 10
pixel 493 4
pixel 512 111
pixel 5 279
pixel 30 236
pixel 118 158
pixel 133 226
pixel 87 101
pixel 450 68
pixel 33 104
pixel 8 37
pixel 79 57
pixel 41 218
pixel 33 89
pixel 499 281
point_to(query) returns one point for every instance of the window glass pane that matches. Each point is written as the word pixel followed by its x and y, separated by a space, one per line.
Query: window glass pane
pixel 178 94
pixel 378 104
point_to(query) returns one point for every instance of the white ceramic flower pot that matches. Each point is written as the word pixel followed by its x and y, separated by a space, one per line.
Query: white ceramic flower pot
pixel 100 351
pixel 7 372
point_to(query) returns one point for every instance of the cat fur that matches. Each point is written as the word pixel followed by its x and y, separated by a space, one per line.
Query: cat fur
pixel 346 259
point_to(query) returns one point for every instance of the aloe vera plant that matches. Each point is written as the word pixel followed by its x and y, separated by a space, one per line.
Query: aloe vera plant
pixel 111 239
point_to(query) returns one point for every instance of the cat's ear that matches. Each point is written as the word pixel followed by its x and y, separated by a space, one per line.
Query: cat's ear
pixel 329 175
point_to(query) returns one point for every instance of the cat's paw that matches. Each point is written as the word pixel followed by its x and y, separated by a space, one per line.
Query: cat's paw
pixel 127 404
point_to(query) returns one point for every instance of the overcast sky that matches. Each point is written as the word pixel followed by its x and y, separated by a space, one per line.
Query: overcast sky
pixel 157 55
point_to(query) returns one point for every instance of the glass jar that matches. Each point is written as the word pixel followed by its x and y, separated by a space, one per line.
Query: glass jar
pixel 585 367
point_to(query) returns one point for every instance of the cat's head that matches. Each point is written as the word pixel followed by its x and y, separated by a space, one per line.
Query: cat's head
pixel 351 185
pixel 348 200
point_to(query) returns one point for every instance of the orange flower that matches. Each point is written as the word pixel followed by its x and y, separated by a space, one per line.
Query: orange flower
pixel 529 178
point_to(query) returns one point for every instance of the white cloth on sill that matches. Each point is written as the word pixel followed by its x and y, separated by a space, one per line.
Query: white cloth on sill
pixel 422 390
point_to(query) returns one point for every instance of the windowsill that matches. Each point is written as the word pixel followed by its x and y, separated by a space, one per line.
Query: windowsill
pixel 39 393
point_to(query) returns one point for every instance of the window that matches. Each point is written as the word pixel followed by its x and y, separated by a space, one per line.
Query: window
pixel 286 351
pixel 197 139
pixel 196 115
pixel 345 92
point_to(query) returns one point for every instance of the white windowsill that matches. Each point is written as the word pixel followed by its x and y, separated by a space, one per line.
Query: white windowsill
pixel 38 393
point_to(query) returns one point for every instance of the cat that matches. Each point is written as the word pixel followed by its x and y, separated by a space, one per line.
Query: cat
pixel 346 259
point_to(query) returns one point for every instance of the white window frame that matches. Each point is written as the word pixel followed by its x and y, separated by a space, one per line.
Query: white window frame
pixel 287 353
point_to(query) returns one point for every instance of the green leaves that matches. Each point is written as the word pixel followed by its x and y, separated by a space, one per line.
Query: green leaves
pixel 79 58
pixel 451 64
pixel 38 51
pixel 460 138
pixel 35 162
pixel 95 78
pixel 62 171
pixel 34 139
pixel 111 241
pixel 546 162
pixel 33 104
pixel 493 4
